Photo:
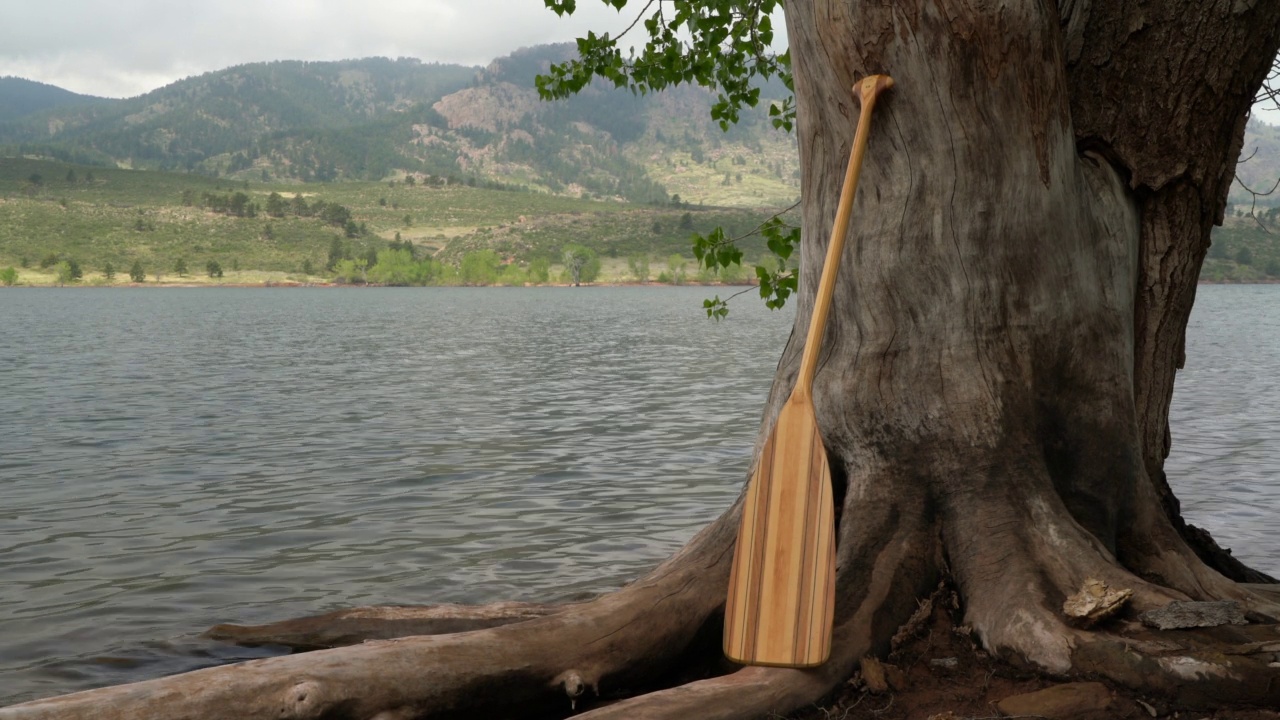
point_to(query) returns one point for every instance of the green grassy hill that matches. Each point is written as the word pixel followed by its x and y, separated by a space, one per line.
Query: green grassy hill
pixel 57 211
pixel 52 212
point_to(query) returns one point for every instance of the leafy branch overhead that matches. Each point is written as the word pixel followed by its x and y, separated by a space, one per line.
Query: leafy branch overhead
pixel 723 45
pixel 777 281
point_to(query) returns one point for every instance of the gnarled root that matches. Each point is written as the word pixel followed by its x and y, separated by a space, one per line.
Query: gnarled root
pixel 627 639
pixel 1034 554
pixel 657 632
pixel 357 625
pixel 888 556
pixel 1192 668
pixel 651 649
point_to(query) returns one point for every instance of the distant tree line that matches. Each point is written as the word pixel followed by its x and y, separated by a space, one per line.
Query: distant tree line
pixel 399 264
pixel 235 204
pixel 240 204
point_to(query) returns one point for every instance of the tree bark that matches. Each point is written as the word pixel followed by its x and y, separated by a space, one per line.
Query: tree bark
pixel 993 391
pixel 1191 70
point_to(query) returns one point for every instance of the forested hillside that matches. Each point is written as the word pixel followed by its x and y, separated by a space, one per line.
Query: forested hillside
pixel 221 122
pixel 376 118
pixel 19 97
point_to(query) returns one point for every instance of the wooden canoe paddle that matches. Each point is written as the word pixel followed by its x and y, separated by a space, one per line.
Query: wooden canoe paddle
pixel 782 586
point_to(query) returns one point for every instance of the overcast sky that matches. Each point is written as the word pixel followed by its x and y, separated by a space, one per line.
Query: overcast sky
pixel 124 48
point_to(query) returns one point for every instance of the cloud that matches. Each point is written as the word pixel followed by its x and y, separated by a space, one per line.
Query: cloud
pixel 128 47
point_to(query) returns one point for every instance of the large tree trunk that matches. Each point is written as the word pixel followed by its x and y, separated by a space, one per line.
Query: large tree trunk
pixel 993 391
pixel 1005 341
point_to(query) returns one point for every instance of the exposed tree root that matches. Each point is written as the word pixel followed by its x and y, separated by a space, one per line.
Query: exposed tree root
pixel 936 669
pixel 357 625
pixel 624 640
pixel 611 646
pixel 651 649
pixel 1220 558
pixel 1229 665
pixel 1026 553
pixel 639 641
pixel 750 692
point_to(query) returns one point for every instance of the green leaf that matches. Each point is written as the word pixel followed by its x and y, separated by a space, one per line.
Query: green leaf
pixel 719 44
pixel 725 45
pixel 716 308
pixel 561 7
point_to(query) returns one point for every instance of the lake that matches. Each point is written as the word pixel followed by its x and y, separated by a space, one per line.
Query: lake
pixel 171 459
pixel 1225 422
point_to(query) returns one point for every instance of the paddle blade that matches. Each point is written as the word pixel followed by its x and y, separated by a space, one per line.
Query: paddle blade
pixel 782 586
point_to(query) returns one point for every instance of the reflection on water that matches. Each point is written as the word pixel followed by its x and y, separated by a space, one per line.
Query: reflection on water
pixel 174 459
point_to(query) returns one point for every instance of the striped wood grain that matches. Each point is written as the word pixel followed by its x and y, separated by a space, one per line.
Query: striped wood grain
pixel 785 561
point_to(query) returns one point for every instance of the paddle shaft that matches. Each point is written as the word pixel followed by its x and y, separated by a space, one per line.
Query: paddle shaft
pixel 868 90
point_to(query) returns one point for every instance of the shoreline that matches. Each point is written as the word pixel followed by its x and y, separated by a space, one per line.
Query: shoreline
pixel 294 284
pixel 165 286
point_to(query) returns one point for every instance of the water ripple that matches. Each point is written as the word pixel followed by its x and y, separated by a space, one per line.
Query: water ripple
pixel 1225 421
pixel 174 459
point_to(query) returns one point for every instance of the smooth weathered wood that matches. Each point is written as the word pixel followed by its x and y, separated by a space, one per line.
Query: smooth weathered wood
pixel 782 586
pixel 353 626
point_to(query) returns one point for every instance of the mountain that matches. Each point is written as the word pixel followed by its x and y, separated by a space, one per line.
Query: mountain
pixel 19 98
pixel 190 123
pixel 376 119
pixel 609 142
pixel 435 138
